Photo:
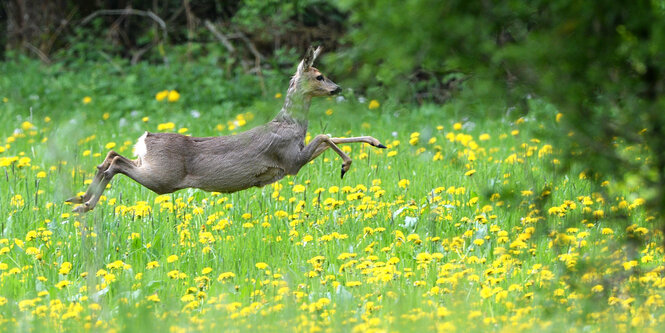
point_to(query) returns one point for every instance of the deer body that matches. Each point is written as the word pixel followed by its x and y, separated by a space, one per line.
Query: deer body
pixel 167 162
pixel 220 164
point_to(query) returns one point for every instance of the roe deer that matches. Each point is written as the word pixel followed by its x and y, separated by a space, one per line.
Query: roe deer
pixel 167 162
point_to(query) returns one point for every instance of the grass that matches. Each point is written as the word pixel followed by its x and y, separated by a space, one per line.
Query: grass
pixel 463 223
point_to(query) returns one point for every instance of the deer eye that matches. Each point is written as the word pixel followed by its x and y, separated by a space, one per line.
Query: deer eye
pixel 320 77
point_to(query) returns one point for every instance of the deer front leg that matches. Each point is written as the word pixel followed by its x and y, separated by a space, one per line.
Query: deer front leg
pixel 118 164
pixel 362 139
pixel 366 139
pixel 310 151
pixel 96 180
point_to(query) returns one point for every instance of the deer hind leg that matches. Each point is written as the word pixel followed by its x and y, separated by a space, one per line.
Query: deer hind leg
pixel 96 180
pixel 118 164
pixel 332 143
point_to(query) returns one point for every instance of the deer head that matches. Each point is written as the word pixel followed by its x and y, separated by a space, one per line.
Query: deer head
pixel 309 81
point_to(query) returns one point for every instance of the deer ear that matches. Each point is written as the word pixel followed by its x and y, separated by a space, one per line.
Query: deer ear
pixel 309 58
pixel 315 54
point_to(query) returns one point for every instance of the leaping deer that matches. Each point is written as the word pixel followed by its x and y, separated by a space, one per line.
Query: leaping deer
pixel 167 162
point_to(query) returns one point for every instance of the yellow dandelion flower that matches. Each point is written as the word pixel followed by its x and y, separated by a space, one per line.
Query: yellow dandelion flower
pixel 225 276
pixel 442 312
pixel 87 99
pixel 33 251
pixel 261 265
pixel 166 126
pixel 607 231
pixel 173 96
pixel 298 188
pixel 65 268
pixel 24 162
pixel 353 283
pixel 403 183
pixel 160 96
pixel 63 284
pixel 26 125
pixel 629 264
pixel 172 258
pixel 374 104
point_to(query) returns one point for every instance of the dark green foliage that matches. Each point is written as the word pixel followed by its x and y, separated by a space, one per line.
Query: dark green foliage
pixel 400 43
pixel 154 30
pixel 600 64
pixel 203 87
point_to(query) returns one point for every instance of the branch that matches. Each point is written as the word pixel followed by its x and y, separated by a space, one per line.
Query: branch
pixel 258 56
pixel 131 11
pixel 37 51
pixel 257 60
pixel 223 39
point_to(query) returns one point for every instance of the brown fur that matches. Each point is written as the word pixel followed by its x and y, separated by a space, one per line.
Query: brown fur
pixel 257 157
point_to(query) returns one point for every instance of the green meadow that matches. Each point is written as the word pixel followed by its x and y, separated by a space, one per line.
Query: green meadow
pixel 463 223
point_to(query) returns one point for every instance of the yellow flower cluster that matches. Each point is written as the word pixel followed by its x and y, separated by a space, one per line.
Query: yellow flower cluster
pixel 169 95
pixel 414 241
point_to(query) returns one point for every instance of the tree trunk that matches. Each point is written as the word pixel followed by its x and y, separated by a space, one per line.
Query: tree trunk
pixel 32 24
pixel 3 30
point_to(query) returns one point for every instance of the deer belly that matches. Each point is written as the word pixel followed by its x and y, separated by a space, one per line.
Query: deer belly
pixel 269 175
pixel 236 179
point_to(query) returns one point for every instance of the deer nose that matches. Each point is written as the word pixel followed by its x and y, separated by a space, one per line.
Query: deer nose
pixel 336 91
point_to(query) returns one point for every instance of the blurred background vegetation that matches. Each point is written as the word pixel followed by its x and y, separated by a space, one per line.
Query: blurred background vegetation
pixel 601 64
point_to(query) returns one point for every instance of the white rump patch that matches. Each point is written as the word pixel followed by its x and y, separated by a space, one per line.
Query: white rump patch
pixel 140 148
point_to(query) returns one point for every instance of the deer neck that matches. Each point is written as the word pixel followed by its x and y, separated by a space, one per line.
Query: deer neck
pixel 296 107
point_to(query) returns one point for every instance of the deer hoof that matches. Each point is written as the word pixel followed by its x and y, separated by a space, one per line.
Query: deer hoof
pixel 76 199
pixel 345 167
pixel 84 208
